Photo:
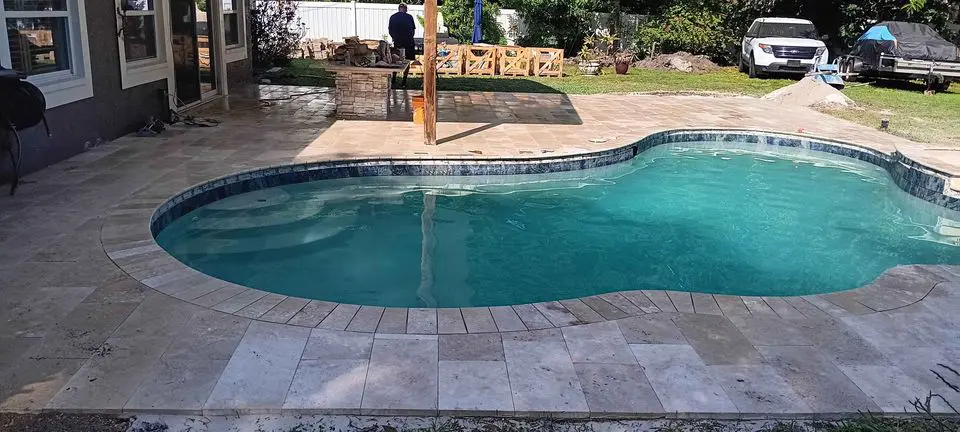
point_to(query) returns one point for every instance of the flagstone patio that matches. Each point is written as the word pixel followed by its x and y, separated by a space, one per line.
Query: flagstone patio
pixel 96 318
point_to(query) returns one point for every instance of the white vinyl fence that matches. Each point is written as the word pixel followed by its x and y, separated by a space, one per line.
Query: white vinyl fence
pixel 336 20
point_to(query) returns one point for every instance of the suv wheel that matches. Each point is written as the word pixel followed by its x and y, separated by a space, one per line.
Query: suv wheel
pixel 743 64
pixel 753 72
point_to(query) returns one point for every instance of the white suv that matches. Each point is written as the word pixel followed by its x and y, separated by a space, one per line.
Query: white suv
pixel 786 45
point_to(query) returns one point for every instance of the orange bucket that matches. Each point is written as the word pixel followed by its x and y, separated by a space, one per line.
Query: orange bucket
pixel 417 104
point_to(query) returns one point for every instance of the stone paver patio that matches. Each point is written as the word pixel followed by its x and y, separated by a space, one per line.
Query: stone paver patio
pixel 96 318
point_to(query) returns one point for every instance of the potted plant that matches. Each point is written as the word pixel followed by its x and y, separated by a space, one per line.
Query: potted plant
pixel 622 61
pixel 590 57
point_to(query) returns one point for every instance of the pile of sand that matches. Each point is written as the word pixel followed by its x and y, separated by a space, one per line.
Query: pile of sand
pixel 678 61
pixel 810 93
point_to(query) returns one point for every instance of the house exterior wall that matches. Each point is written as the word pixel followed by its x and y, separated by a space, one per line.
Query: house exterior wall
pixel 111 112
pixel 239 74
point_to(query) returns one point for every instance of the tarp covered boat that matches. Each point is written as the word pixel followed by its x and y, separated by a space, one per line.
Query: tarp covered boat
pixel 905 40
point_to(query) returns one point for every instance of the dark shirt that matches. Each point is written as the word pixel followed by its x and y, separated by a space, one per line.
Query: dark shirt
pixel 401 30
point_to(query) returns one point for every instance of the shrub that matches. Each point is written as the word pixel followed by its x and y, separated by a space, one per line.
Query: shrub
pixel 714 27
pixel 859 15
pixel 458 17
pixel 689 28
pixel 275 31
pixel 555 23
pixel 843 20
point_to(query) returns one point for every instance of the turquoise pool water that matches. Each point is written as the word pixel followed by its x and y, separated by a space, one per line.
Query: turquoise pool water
pixel 689 217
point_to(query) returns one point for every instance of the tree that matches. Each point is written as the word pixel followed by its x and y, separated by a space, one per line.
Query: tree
pixel 692 27
pixel 859 15
pixel 915 5
pixel 692 24
pixel 409 2
pixel 557 23
pixel 458 17
pixel 275 31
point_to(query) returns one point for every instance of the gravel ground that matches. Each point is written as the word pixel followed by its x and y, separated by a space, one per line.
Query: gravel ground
pixel 59 422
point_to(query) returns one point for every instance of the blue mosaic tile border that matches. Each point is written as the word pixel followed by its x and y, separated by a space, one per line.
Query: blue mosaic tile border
pixel 914 178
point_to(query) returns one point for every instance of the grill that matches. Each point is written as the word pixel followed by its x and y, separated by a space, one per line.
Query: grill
pixel 789 52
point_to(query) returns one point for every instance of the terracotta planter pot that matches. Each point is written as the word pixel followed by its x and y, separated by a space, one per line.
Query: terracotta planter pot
pixel 622 68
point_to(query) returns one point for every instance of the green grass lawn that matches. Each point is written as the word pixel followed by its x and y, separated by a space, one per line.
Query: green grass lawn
pixel 726 80
pixel 913 115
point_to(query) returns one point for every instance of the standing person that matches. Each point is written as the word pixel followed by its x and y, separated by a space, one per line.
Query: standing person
pixel 401 30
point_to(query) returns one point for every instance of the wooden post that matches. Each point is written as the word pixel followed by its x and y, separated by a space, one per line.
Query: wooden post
pixel 430 72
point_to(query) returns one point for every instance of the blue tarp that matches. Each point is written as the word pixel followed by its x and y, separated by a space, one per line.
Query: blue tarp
pixel 878 32
pixel 477 12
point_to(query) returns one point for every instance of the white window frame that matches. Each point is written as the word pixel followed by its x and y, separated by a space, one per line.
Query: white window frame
pixel 142 71
pixel 236 51
pixel 66 86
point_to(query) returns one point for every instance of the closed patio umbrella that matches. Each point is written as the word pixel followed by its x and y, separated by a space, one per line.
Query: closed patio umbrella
pixel 477 11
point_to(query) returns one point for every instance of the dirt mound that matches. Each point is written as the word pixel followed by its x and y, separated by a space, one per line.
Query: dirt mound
pixel 678 61
pixel 808 92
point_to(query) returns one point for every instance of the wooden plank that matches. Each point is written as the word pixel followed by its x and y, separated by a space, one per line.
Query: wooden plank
pixel 430 72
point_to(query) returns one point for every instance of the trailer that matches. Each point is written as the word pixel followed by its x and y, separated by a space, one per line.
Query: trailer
pixel 907 51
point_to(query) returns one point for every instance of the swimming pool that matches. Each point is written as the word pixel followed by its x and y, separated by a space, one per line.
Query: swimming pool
pixel 742 219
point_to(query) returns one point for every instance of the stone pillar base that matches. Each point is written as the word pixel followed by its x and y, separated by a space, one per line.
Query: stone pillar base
pixel 362 96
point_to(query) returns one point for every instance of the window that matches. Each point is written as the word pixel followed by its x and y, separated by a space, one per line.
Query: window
pixel 141 31
pixel 234 29
pixel 47 41
pixel 231 22
pixel 788 30
pixel 39 45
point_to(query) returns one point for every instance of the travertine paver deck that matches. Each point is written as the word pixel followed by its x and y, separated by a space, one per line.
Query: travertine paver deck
pixel 84 331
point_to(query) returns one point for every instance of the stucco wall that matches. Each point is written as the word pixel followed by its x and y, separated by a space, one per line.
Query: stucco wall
pixel 239 74
pixel 110 113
